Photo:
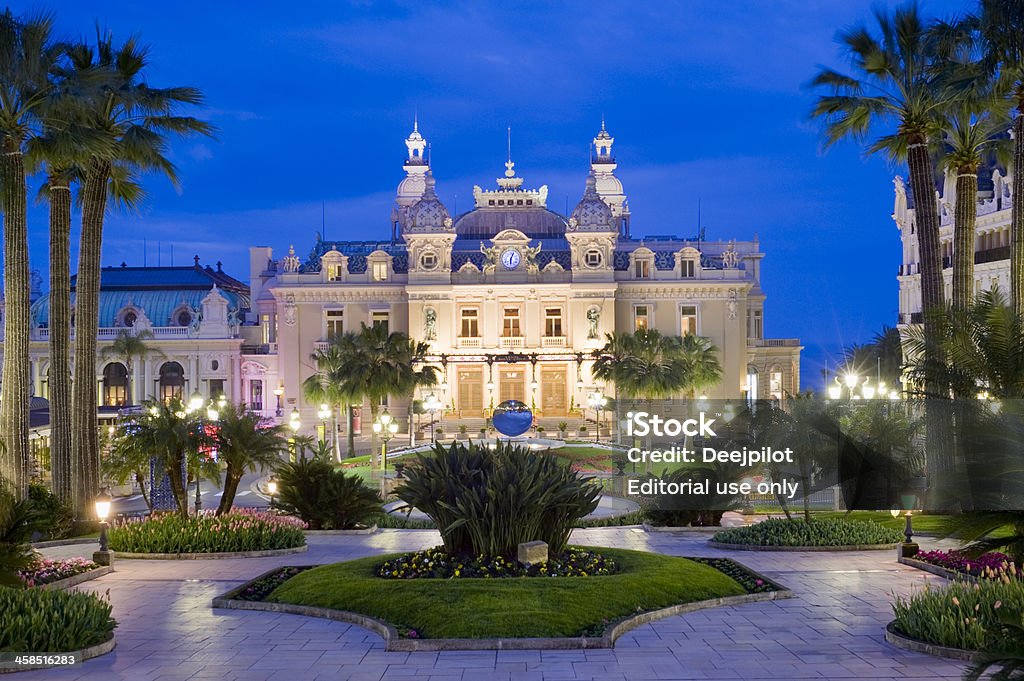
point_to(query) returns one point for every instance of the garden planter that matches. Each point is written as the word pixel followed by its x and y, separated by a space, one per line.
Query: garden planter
pixel 894 637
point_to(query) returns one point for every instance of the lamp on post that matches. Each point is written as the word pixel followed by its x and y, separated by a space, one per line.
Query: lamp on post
pixel 104 556
pixel 432 405
pixel 294 422
pixel 386 428
pixel 278 393
pixel 597 402
pixel 195 402
pixel 325 413
pixel 272 490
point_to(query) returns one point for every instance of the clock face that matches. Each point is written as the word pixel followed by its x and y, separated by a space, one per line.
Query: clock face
pixel 510 259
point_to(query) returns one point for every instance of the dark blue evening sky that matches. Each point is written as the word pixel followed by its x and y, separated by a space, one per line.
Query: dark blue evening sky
pixel 706 102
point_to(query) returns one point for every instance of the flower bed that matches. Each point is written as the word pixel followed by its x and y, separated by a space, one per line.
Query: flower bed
pixel 822 532
pixel 47 571
pixel 993 565
pixel 435 563
pixel 260 588
pixel 238 531
pixel 959 615
pixel 750 581
pixel 43 621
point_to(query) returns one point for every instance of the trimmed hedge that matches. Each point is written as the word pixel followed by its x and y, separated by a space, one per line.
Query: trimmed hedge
pixel 41 621
pixel 240 530
pixel 819 532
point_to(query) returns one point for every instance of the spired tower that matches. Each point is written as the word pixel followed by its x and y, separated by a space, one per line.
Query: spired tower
pixel 609 187
pixel 410 189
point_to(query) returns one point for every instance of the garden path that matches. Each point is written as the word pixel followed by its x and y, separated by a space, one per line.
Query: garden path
pixel 831 629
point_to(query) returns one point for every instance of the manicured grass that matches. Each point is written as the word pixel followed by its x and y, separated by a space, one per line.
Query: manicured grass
pixel 922 523
pixel 517 607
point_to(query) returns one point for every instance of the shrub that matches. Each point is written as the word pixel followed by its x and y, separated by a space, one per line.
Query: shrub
pixel 818 532
pixel 437 564
pixel 488 501
pixel 47 571
pixel 42 621
pixel 18 522
pixel 959 615
pixel 56 516
pixel 324 497
pixel 696 510
pixel 239 530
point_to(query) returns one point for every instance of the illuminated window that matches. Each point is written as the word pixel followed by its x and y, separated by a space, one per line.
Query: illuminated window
pixel 553 322
pixel 510 327
pixel 642 269
pixel 641 318
pixel 380 319
pixel 334 272
pixel 687 320
pixel 689 269
pixel 470 323
pixel 335 322
pixel 380 270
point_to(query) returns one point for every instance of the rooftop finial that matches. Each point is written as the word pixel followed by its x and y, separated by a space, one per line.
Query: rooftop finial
pixel 416 120
pixel 510 144
pixel 602 122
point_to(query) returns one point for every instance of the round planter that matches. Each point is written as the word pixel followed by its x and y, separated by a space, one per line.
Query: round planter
pixel 906 643
pixel 210 556
pixel 757 547
pixel 84 654
pixel 331 533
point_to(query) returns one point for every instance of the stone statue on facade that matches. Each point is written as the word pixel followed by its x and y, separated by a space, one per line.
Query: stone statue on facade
pixel 730 257
pixel 594 318
pixel 290 263
pixel 289 310
pixel 430 324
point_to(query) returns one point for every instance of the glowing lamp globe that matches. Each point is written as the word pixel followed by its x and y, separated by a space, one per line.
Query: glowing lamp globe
pixel 512 418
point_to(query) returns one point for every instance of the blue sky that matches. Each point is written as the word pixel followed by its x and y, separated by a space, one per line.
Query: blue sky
pixel 706 101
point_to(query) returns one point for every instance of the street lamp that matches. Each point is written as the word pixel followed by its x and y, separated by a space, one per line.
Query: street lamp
pixel 295 421
pixel 597 401
pixel 195 402
pixel 325 413
pixel 104 556
pixel 386 427
pixel 432 405
pixel 278 392
pixel 272 490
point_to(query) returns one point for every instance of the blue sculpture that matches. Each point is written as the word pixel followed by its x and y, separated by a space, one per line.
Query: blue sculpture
pixel 512 418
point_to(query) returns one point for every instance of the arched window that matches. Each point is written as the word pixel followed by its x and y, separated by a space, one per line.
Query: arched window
pixel 129 318
pixel 172 381
pixel 115 385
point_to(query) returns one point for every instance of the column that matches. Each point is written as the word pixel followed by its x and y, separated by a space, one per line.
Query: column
pixel 236 379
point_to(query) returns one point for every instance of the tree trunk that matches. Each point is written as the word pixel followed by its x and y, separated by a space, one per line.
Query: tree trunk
pixel 59 378
pixel 141 479
pixel 374 454
pixel 85 434
pixel 1017 211
pixel 14 395
pixel 179 485
pixel 350 435
pixel 926 218
pixel 335 445
pixel 963 237
pixel 227 499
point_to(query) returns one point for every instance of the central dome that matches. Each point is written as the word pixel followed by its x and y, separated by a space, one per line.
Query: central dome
pixel 535 222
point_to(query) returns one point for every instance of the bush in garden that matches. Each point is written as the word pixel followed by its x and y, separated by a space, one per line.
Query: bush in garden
pixel 325 498
pixel 56 516
pixel 240 530
pixel 18 522
pixel 960 615
pixel 697 510
pixel 819 532
pixel 488 501
pixel 41 621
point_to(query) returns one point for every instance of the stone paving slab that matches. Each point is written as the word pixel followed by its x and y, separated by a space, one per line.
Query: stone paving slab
pixel 832 629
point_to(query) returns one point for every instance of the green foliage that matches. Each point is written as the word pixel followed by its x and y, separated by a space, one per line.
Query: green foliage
pixel 18 522
pixel 324 497
pixel 245 442
pixel 960 614
pixel 43 621
pixel 819 532
pixel 697 510
pixel 240 530
pixel 478 608
pixel 1005 660
pixel 648 365
pixel 488 501
pixel 56 517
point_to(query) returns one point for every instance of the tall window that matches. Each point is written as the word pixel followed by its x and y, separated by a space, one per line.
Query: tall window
pixel 687 320
pixel 510 328
pixel 642 269
pixel 380 270
pixel 267 328
pixel 379 319
pixel 553 322
pixel 172 381
pixel 641 317
pixel 470 323
pixel 256 395
pixel 335 320
pixel 756 324
pixel 216 387
pixel 115 385
pixel 689 269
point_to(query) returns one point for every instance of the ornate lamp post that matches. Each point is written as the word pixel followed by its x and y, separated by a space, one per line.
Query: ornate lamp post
pixel 325 413
pixel 432 405
pixel 272 490
pixel 294 422
pixel 597 401
pixel 104 556
pixel 278 393
pixel 386 428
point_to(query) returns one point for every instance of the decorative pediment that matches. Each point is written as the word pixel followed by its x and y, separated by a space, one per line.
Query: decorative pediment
pixel 509 236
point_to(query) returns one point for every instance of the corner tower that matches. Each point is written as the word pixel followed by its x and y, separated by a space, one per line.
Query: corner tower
pixel 410 189
pixel 609 187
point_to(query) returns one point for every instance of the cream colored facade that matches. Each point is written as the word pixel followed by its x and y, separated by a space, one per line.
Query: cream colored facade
pixel 513 297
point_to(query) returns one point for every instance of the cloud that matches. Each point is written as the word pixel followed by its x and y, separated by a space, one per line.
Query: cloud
pixel 200 152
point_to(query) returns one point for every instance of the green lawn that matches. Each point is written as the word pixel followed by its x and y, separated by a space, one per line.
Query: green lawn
pixel 922 523
pixel 515 608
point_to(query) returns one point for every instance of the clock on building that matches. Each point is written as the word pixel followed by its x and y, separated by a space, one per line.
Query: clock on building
pixel 510 258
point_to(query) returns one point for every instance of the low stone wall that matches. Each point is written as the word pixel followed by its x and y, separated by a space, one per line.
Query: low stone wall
pixel 209 556
pixel 84 654
pixel 75 580
pixel 341 533
pixel 951 575
pixel 899 640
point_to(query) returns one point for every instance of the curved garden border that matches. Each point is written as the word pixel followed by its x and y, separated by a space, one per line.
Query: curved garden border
pixel 906 643
pixel 677 529
pixel 210 556
pixel 950 575
pixel 74 580
pixel 332 533
pixel 759 547
pixel 84 654
pixel 395 643
pixel 64 542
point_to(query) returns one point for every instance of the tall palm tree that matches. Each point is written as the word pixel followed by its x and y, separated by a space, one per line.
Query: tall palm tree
pixel 245 443
pixel 377 365
pixel 27 57
pixel 1001 26
pixel 648 365
pixel 882 357
pixel 136 120
pixel 700 356
pixel 898 94
pixel 129 345
pixel 329 386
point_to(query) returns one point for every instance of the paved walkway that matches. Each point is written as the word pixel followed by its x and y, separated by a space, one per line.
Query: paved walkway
pixel 832 629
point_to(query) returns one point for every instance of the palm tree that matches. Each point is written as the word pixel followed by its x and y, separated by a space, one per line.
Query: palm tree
pixel 245 443
pixel 329 386
pixel 136 120
pixel 377 365
pixel 129 345
pixel 700 357
pixel 27 57
pixel 882 356
pixel 1001 27
pixel 649 365
pixel 804 427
